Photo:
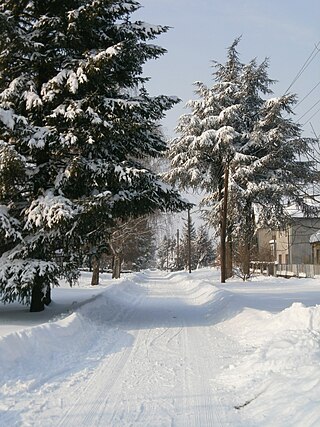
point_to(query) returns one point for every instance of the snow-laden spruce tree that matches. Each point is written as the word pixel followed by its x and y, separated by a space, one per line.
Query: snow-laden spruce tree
pixel 204 251
pixel 75 123
pixel 188 255
pixel 243 150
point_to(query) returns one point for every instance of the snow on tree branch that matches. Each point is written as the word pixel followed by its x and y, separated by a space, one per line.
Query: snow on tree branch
pixel 49 210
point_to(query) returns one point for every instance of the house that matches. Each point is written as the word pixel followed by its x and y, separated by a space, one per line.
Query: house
pixel 315 247
pixel 292 245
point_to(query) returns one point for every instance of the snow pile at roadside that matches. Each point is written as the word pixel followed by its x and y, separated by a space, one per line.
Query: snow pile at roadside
pixel 30 355
pixel 278 382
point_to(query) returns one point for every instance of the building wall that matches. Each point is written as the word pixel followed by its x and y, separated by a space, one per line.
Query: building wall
pixel 282 247
pixel 300 248
pixel 291 246
pixel 264 237
pixel 316 252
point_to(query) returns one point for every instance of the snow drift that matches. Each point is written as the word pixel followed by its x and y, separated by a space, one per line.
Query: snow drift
pixel 277 382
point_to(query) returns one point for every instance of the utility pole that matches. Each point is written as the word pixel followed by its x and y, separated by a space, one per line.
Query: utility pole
pixel 178 249
pixel 189 240
pixel 223 230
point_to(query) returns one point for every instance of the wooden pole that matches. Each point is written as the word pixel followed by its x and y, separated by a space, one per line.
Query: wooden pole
pixel 178 249
pixel 189 240
pixel 223 231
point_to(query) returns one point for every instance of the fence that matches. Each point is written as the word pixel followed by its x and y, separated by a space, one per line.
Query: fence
pixel 297 270
pixel 286 270
pixel 262 267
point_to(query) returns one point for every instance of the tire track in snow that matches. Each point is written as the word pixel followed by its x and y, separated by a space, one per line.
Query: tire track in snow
pixel 202 407
pixel 165 377
pixel 152 372
pixel 95 394
pixel 208 410
pixel 90 405
pixel 191 409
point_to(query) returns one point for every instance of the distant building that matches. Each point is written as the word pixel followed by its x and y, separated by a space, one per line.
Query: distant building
pixel 292 245
pixel 315 247
pixel 265 245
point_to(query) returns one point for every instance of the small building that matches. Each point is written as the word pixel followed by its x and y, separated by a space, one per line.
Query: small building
pixel 315 247
pixel 292 245
pixel 265 245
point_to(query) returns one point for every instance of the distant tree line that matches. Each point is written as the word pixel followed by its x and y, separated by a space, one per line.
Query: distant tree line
pixel 189 250
pixel 130 245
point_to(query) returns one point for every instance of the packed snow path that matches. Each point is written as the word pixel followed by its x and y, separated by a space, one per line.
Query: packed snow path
pixel 142 354
pixel 164 375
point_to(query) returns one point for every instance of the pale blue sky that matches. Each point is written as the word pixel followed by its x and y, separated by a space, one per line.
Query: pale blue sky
pixel 286 31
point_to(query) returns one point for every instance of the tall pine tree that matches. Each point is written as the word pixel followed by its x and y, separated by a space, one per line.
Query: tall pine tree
pixel 241 149
pixel 187 245
pixel 204 251
pixel 75 125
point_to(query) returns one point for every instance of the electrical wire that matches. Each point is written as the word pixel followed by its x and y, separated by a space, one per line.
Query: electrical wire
pixel 311 108
pixel 306 96
pixel 312 115
pixel 311 57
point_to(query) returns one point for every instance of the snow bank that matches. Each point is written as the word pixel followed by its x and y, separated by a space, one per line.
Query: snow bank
pixel 29 356
pixel 277 381
pixel 42 340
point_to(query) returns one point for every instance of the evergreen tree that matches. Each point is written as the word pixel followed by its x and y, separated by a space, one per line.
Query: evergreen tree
pixel 187 246
pixel 166 254
pixel 140 250
pixel 243 150
pixel 204 248
pixel 75 125
pixel 163 254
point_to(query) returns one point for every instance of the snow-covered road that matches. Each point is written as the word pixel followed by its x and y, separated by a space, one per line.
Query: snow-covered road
pixel 158 349
pixel 149 357
pixel 164 374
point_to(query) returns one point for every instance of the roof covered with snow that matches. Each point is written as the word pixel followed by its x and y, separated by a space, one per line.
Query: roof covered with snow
pixel 314 238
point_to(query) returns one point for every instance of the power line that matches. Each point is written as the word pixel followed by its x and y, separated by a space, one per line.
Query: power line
pixel 317 137
pixel 311 108
pixel 306 96
pixel 312 114
pixel 306 64
pixel 310 58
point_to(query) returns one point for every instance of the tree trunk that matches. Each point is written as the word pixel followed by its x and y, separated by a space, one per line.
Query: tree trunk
pixel 95 270
pixel 246 260
pixel 248 241
pixel 47 297
pixel 223 227
pixel 229 256
pixel 37 296
pixel 178 249
pixel 116 271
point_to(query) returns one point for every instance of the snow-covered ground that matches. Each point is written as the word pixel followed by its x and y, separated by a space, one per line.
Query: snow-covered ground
pixel 156 349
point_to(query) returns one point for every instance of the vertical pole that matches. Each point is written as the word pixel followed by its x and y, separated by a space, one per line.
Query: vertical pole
pixel 178 249
pixel 223 233
pixel 189 240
